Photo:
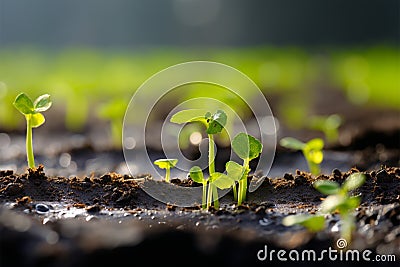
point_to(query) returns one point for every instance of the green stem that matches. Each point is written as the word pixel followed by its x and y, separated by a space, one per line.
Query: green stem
pixel 243 183
pixel 209 196
pixel 29 146
pixel 167 175
pixel 204 198
pixel 215 195
pixel 235 194
pixel 211 166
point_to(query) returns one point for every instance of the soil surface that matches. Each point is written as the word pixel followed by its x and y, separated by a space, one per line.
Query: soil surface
pixel 109 219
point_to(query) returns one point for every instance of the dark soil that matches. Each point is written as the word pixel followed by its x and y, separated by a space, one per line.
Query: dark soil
pixel 109 219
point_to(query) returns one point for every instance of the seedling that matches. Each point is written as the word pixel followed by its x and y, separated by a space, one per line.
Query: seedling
pixel 114 112
pixel 329 125
pixel 216 180
pixel 339 200
pixel 312 151
pixel 34 118
pixel 166 164
pixel 247 148
pixel 214 124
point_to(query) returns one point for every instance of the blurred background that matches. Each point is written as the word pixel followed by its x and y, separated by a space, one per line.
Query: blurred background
pixel 308 57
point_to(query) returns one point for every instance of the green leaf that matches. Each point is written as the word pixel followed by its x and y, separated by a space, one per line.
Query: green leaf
pixel 166 163
pixel 37 119
pixel 189 115
pixel 332 202
pixel 315 144
pixel 292 143
pixel 312 223
pixel 352 202
pixel 234 170
pixel 327 187
pixel 315 156
pixel 216 122
pixel 246 146
pixel 24 104
pixel 333 121
pixel 42 103
pixel 197 174
pixel 221 180
pixel 353 181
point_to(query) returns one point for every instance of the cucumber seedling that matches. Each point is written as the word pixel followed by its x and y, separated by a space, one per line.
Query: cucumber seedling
pixel 338 200
pixel 247 148
pixel 34 118
pixel 166 164
pixel 214 124
pixel 312 151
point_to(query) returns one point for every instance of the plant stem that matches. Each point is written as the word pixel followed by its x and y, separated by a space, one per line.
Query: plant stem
pixel 215 196
pixel 209 195
pixel 29 146
pixel 243 183
pixel 211 165
pixel 235 194
pixel 167 175
pixel 204 198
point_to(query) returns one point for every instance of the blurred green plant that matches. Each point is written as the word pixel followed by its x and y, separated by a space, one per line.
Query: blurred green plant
pixel 166 164
pixel 312 151
pixel 329 125
pixel 34 118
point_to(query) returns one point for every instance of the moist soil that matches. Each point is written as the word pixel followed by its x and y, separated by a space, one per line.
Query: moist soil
pixel 109 219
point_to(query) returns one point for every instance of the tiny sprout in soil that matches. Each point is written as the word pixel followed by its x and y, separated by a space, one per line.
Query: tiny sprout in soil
pixel 338 200
pixel 312 151
pixel 247 148
pixel 329 125
pixel 214 124
pixel 34 118
pixel 166 164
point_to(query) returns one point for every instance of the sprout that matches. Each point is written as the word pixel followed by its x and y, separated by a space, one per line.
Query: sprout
pixel 166 164
pixel 34 118
pixel 329 125
pixel 338 200
pixel 214 124
pixel 247 148
pixel 312 151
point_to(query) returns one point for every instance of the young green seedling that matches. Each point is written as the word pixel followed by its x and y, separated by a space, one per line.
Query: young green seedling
pixel 247 148
pixel 216 180
pixel 329 125
pixel 338 200
pixel 114 112
pixel 214 124
pixel 34 118
pixel 166 164
pixel 312 151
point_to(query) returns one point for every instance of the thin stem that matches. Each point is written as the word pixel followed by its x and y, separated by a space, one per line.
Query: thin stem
pixel 243 183
pixel 204 198
pixel 211 165
pixel 235 194
pixel 215 195
pixel 29 146
pixel 167 175
pixel 209 198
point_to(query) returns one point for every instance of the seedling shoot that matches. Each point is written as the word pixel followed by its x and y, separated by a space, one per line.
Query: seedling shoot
pixel 166 164
pixel 34 118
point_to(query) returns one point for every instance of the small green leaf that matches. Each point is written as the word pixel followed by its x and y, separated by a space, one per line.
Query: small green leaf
pixel 332 202
pixel 197 174
pixel 353 181
pixel 42 103
pixel 37 119
pixel 315 156
pixel 333 121
pixel 221 180
pixel 189 115
pixel 216 122
pixel 352 202
pixel 327 187
pixel 246 146
pixel 312 223
pixel 315 144
pixel 292 143
pixel 166 163
pixel 234 170
pixel 24 104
